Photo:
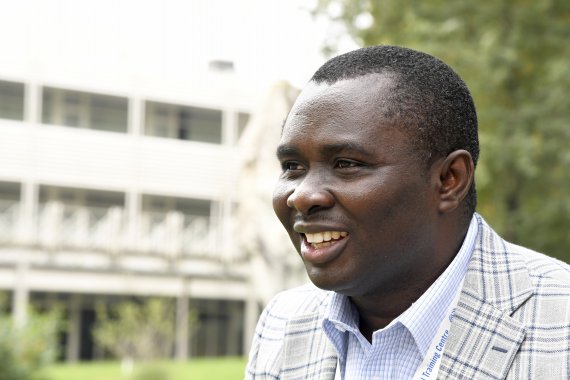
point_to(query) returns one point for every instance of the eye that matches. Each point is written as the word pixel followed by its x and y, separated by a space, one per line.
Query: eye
pixel 291 166
pixel 346 164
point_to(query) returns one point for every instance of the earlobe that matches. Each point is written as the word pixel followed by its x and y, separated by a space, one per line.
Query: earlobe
pixel 455 178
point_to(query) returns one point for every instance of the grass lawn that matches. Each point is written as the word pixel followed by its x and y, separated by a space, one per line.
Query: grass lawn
pixel 193 369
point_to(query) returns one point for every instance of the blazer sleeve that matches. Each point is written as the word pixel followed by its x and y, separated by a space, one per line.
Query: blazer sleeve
pixel 265 355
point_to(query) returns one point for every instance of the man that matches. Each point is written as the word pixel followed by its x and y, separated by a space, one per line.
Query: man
pixel 378 197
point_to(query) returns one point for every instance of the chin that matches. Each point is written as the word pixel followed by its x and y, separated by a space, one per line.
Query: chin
pixel 326 281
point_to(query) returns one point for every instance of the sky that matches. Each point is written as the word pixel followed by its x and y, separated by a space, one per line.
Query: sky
pixel 268 40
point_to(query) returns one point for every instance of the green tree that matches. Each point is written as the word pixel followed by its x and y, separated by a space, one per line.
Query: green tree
pixel 514 55
pixel 26 349
pixel 137 330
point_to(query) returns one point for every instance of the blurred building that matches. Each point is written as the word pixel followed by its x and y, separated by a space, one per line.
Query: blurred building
pixel 114 191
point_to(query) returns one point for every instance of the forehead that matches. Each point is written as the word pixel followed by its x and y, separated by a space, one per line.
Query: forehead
pixel 361 92
pixel 354 109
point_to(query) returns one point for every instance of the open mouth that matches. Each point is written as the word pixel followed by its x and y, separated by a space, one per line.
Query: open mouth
pixel 324 239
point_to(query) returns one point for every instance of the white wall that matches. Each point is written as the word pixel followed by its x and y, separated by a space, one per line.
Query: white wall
pixel 82 158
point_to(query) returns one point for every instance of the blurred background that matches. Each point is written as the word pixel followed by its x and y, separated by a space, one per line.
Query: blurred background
pixel 137 145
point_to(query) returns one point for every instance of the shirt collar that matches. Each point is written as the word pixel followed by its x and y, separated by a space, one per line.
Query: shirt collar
pixel 423 317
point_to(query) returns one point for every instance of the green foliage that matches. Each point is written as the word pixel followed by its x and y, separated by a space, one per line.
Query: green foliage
pixel 137 330
pixel 24 350
pixel 194 369
pixel 513 55
pixel 152 372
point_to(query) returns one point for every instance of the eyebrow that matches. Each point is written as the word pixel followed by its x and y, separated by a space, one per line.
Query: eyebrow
pixel 326 150
pixel 286 150
pixel 345 146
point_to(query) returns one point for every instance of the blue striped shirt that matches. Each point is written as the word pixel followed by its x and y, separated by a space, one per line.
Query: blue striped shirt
pixel 398 349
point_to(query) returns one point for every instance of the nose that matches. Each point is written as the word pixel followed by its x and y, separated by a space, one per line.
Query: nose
pixel 310 195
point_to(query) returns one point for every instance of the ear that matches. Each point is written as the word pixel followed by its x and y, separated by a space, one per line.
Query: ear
pixel 455 178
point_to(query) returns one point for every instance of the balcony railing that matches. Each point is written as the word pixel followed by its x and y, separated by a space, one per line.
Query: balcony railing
pixel 63 226
pixel 9 216
pixel 170 235
pixel 176 234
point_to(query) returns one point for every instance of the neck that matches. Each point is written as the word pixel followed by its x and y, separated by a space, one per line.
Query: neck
pixel 378 308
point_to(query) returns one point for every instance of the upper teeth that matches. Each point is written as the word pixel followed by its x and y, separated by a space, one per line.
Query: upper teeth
pixel 319 237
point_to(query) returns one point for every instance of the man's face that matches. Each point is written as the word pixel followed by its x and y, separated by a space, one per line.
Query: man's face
pixel 358 205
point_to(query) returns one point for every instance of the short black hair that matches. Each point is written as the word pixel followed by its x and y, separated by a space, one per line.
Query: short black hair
pixel 429 99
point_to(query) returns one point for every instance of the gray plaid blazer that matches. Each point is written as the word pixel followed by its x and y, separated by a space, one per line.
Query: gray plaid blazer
pixel 512 322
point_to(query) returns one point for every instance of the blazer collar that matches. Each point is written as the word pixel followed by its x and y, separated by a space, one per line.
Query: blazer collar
pixel 483 337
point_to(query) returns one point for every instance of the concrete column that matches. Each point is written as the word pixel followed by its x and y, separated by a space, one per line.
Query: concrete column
pixel 74 329
pixel 250 320
pixel 136 116
pixel 229 126
pixel 133 206
pixel 31 103
pixel 133 199
pixel 182 326
pixel 21 294
pixel 229 251
pixel 215 228
pixel 28 212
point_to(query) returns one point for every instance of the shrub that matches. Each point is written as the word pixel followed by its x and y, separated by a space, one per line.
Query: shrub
pixel 137 330
pixel 25 349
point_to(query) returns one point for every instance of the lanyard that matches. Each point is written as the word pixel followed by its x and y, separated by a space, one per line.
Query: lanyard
pixel 430 365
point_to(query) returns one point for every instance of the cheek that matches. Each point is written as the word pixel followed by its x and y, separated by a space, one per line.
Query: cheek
pixel 387 208
pixel 371 201
pixel 280 195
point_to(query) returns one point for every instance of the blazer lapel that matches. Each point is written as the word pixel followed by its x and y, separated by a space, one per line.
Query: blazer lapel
pixel 483 337
pixel 307 352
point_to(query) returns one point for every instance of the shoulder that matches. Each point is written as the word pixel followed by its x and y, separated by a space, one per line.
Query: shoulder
pixel 543 270
pixel 532 287
pixel 304 300
pixel 266 355
pixel 544 315
pixel 500 259
pixel 300 300
pixel 523 283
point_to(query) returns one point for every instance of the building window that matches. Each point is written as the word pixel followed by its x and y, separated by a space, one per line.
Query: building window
pixel 84 110
pixel 183 122
pixel 219 328
pixel 11 100
pixel 187 206
pixel 9 191
pixel 77 197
